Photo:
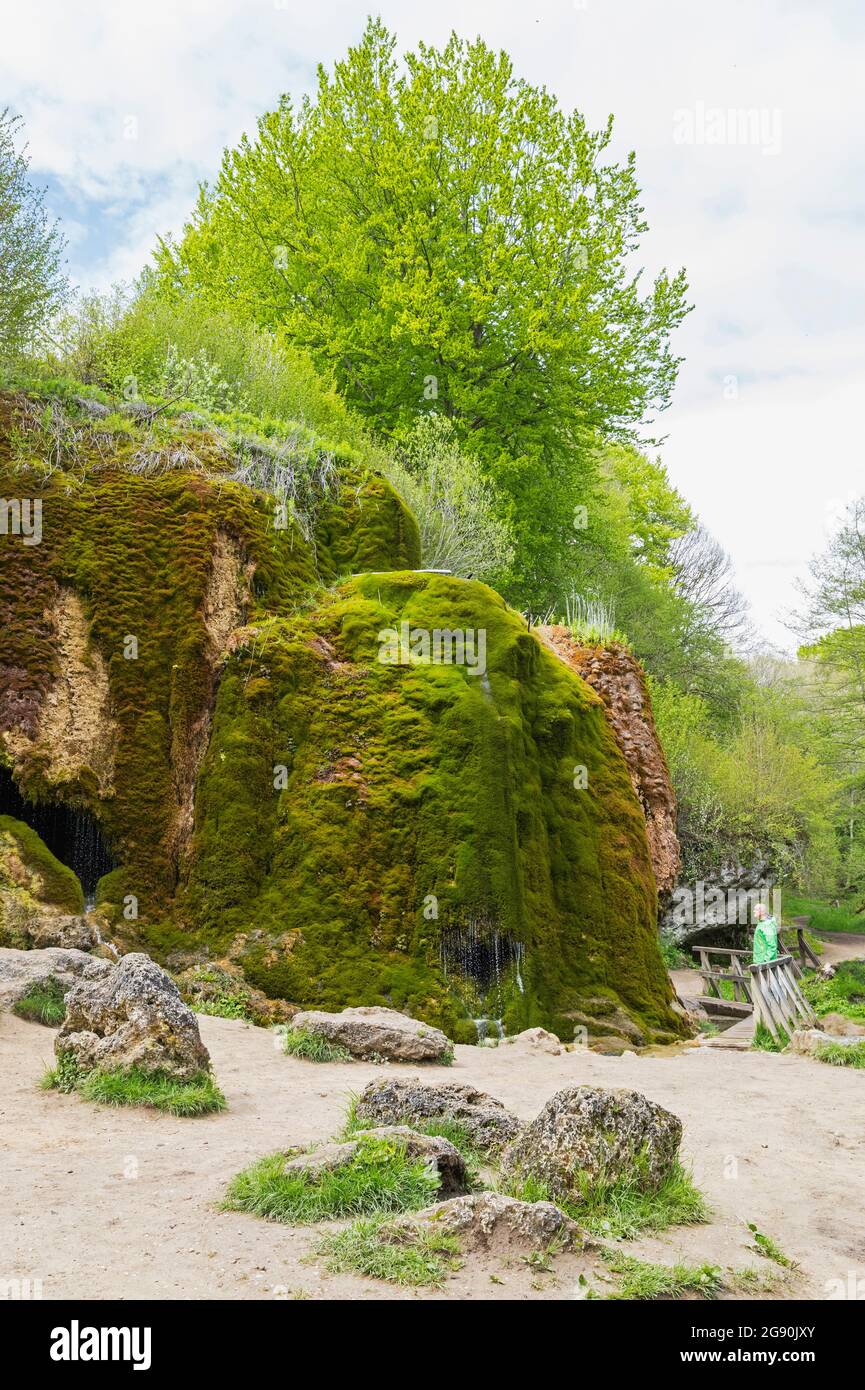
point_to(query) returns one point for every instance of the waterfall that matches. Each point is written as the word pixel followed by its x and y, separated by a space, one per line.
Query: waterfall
pixel 71 834
pixel 484 967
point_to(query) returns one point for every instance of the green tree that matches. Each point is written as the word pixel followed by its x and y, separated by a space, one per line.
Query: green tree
pixel 32 280
pixel 442 236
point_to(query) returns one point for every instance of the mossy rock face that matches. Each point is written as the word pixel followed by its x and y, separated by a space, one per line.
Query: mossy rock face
pixel 451 839
pixel 411 835
pixel 27 866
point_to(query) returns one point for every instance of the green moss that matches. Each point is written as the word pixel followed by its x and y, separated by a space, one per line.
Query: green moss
pixel 408 835
pixel 48 881
pixel 418 805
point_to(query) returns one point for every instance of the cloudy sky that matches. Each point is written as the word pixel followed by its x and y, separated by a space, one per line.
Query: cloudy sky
pixel 747 122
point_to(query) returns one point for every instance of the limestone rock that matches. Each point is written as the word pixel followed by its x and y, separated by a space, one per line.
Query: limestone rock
pixel 211 983
pixel 21 970
pixel 808 1041
pixel 536 1040
pixel 489 1220
pixel 618 678
pixel 587 1133
pixel 396 1101
pixel 132 1017
pixel 440 1154
pixel 370 1031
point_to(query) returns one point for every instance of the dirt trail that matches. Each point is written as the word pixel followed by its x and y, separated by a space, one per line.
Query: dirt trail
pixel 122 1203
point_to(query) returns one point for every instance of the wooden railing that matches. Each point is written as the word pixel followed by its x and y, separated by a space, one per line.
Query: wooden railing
pixel 713 974
pixel 778 1001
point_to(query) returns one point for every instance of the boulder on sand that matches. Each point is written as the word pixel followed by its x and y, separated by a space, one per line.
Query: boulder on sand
pixel 372 1032
pixel 438 1153
pixel 132 1017
pixel 587 1134
pixel 489 1220
pixel 394 1101
pixel 20 971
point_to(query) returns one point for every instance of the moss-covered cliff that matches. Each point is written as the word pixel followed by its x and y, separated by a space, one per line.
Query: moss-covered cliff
pixel 456 840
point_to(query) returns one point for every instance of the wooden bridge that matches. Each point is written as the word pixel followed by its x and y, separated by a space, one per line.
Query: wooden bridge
pixel 769 990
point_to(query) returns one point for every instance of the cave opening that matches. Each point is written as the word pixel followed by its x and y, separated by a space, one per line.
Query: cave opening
pixel 73 836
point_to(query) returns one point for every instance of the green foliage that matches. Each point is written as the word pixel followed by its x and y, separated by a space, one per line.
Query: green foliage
pixel 444 235
pixel 672 954
pixel 137 345
pixel 640 1279
pixel 764 1042
pixel 32 280
pixel 379 1249
pixel 313 1047
pixel 824 916
pixel 839 1055
pixel 379 1178
pixel 622 1209
pixel 44 1002
pixel 455 506
pixel 769 1249
pixel 154 1090
pixel 843 994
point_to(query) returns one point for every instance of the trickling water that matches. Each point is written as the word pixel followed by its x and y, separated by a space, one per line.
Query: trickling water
pixel 484 967
pixel 73 836
pixel 483 1027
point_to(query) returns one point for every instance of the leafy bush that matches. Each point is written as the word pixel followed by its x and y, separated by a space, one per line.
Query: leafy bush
pixel 455 507
pixel 32 281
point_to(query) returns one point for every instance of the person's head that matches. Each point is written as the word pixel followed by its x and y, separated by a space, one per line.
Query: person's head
pixel 760 912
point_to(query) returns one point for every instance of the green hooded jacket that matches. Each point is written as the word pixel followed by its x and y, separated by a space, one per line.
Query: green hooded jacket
pixel 766 941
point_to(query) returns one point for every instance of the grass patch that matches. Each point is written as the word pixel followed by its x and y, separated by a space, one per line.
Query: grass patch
pixel 764 1042
pixel 843 994
pixel 621 1209
pixel 837 1055
pixel 769 1249
pixel 380 1178
pixel 442 1128
pixel 823 916
pixel 378 1249
pixel 312 1047
pixel 154 1090
pixel 44 1002
pixel 641 1280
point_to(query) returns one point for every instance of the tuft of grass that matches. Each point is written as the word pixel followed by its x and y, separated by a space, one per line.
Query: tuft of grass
pixel 764 1042
pixel 839 1055
pixel 621 1209
pixel 154 1090
pixel 312 1047
pixel 378 1249
pixel 769 1249
pixel 379 1179
pixel 44 1002
pixel 442 1128
pixel 641 1280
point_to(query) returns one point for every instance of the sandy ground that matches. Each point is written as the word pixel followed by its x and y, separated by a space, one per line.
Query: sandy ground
pixel 99 1203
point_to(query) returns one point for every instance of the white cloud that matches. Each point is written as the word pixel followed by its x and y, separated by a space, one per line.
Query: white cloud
pixel 771 241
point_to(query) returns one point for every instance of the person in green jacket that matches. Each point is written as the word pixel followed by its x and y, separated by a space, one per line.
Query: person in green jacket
pixel 765 936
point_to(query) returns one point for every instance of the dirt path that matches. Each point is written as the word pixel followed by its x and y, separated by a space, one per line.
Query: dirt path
pixel 121 1203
